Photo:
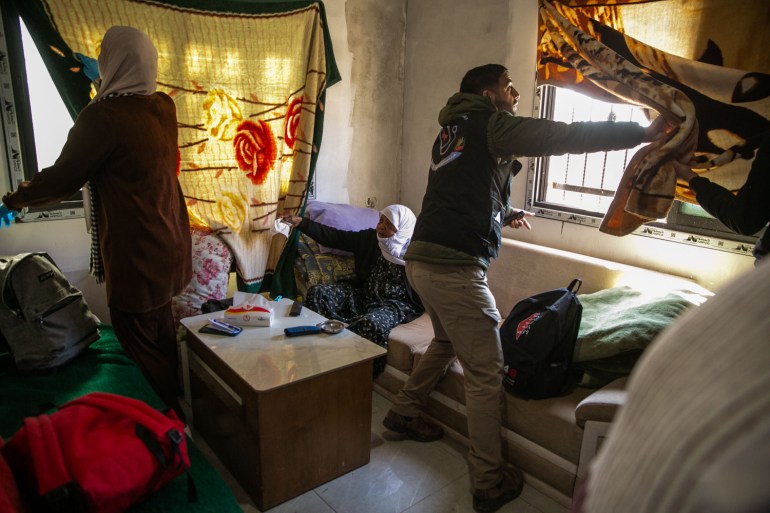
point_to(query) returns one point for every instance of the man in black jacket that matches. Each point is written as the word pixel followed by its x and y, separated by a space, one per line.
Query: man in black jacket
pixel 457 234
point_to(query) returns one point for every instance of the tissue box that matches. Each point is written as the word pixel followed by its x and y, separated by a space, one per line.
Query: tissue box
pixel 249 315
pixel 249 310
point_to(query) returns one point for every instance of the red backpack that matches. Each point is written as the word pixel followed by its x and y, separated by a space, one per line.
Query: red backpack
pixel 10 500
pixel 98 453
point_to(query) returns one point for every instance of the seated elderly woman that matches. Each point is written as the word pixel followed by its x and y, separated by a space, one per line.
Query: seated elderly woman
pixel 379 298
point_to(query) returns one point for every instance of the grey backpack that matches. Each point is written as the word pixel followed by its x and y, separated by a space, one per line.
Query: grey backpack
pixel 44 319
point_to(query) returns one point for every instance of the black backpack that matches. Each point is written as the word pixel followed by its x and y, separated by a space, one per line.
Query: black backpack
pixel 538 339
pixel 44 320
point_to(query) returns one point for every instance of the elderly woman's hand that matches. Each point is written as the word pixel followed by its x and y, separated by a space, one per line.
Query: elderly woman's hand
pixel 293 221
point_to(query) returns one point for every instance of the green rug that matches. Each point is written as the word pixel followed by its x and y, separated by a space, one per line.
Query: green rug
pixel 104 367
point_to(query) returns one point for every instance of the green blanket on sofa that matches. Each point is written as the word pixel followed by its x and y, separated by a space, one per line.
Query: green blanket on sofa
pixel 617 326
pixel 104 367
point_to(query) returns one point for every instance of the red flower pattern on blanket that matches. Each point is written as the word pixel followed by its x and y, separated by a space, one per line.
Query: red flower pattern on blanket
pixel 293 112
pixel 255 150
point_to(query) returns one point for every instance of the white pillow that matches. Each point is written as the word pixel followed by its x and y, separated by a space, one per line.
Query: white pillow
pixel 343 217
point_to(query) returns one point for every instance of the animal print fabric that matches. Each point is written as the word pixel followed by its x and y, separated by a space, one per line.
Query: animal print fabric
pixel 720 112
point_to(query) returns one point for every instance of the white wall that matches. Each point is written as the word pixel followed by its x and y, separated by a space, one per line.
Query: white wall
pixel 360 158
pixel 446 38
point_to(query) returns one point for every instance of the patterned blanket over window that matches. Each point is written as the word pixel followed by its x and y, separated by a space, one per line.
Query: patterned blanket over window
pixel 720 112
pixel 249 90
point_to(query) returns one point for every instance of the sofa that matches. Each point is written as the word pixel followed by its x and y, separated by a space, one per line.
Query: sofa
pixel 544 438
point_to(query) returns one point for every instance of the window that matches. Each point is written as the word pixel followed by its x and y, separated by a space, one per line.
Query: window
pixel 580 188
pixel 584 182
pixel 35 121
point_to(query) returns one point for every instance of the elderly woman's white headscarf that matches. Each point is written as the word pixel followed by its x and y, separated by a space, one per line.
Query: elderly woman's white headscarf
pixel 128 63
pixel 394 247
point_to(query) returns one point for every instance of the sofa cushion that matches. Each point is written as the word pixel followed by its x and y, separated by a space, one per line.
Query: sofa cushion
pixel 407 340
pixel 602 405
pixel 547 422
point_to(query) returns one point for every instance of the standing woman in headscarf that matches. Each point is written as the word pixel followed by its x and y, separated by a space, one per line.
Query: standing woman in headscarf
pixel 124 145
pixel 380 297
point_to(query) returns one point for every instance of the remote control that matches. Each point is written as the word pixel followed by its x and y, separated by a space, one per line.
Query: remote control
pixel 212 330
pixel 297 331
pixel 223 326
pixel 217 329
pixel 296 308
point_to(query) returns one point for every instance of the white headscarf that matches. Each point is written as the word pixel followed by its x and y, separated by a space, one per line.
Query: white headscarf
pixel 128 63
pixel 394 247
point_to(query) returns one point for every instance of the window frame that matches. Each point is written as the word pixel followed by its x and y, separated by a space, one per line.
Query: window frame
pixel 19 146
pixel 678 227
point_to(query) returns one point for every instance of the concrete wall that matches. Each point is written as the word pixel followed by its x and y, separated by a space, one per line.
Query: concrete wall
pixel 360 159
pixel 444 39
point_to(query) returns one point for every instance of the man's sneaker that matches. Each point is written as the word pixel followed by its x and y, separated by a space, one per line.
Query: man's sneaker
pixel 492 499
pixel 412 428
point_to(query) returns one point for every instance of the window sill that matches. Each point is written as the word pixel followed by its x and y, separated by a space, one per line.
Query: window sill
pixel 738 245
pixel 52 213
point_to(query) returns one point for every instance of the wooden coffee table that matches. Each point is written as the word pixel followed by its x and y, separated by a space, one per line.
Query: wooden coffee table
pixel 284 414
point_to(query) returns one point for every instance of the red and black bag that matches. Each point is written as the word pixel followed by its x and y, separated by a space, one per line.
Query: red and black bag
pixel 98 453
pixel 538 339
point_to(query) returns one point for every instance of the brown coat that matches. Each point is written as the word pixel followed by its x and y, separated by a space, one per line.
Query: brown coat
pixel 128 147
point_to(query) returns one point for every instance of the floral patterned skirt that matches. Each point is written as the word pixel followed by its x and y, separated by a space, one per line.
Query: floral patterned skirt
pixel 370 311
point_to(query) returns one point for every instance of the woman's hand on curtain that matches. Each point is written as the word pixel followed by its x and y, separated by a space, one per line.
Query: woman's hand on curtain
pixel 683 171
pixel 293 221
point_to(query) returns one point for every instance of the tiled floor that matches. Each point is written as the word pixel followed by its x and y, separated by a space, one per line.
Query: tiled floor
pixel 401 477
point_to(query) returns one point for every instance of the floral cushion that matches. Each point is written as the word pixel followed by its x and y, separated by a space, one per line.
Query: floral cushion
pixel 211 259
